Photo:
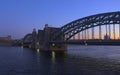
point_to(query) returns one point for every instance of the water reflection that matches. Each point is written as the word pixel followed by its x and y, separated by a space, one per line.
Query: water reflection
pixel 53 55
pixel 24 61
pixel 38 50
pixel 21 46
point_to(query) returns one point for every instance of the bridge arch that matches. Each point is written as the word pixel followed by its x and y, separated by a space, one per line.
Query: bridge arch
pixel 27 38
pixel 82 24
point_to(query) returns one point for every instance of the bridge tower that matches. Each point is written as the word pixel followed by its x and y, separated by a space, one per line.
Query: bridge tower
pixel 34 39
pixel 45 39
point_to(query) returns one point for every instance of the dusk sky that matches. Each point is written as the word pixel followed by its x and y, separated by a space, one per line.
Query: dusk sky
pixel 19 17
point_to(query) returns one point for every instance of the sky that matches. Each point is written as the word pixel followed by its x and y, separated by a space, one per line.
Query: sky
pixel 20 17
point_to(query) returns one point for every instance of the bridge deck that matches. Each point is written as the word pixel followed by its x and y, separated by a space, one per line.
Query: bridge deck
pixel 89 42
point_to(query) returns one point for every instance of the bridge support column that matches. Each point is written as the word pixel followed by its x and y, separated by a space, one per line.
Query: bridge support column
pixel 82 35
pixel 106 29
pixel 109 31
pixel 114 30
pixel 93 33
pixel 79 36
pixel 85 34
pixel 119 31
pixel 100 32
pixel 88 34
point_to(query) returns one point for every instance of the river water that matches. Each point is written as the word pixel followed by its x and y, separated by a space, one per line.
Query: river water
pixel 78 60
pixel 104 52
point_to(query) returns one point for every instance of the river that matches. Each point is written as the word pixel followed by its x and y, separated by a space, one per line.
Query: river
pixel 78 60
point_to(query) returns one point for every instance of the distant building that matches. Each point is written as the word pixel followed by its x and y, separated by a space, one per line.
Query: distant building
pixel 5 39
pixel 106 37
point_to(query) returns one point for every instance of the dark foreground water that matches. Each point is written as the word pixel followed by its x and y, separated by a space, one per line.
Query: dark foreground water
pixel 78 60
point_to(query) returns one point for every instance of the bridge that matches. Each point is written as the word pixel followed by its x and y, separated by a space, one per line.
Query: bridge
pixel 98 29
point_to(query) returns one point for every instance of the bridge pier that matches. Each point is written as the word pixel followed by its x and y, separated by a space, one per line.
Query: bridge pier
pixel 44 38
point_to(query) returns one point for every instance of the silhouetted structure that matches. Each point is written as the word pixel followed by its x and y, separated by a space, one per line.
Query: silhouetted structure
pixel 57 38
pixel 106 37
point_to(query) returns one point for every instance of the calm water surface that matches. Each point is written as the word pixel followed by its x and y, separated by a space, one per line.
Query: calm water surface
pixel 23 61
pixel 104 52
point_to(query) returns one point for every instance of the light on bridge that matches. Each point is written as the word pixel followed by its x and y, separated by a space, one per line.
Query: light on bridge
pixel 53 44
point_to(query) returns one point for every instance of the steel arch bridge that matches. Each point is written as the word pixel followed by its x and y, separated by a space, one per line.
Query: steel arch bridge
pixel 85 23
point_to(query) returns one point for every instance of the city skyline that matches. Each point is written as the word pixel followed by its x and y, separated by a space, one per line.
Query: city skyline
pixel 19 17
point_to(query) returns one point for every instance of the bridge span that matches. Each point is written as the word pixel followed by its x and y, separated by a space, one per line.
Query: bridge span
pixel 98 29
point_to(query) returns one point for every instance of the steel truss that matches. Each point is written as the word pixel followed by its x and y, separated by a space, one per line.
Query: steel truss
pixel 85 23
